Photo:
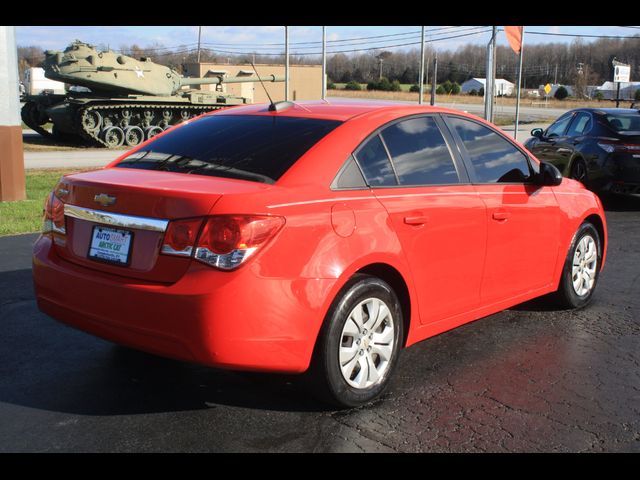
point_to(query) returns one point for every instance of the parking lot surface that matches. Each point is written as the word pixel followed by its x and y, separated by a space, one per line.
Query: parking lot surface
pixel 529 379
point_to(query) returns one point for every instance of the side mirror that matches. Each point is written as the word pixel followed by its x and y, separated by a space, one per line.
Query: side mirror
pixel 549 175
pixel 537 132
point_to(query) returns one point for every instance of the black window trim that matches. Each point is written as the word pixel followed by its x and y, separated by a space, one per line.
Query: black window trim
pixel 458 161
pixel 334 184
pixel 534 169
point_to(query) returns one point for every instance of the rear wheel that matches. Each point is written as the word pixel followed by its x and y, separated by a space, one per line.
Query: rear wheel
pixel 579 171
pixel 581 268
pixel 359 345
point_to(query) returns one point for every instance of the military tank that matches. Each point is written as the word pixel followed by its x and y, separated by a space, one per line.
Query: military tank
pixel 114 99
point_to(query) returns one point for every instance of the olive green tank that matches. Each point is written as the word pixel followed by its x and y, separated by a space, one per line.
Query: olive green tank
pixel 114 99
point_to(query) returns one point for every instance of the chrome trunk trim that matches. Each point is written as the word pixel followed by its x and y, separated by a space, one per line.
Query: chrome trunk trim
pixel 116 219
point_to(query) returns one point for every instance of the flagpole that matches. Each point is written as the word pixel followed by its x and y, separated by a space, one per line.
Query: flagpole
pixel 515 131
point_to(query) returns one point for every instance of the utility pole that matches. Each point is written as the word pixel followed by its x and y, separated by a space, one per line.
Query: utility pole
pixel 421 83
pixel 286 64
pixel 324 62
pixel 12 184
pixel 199 35
pixel 434 82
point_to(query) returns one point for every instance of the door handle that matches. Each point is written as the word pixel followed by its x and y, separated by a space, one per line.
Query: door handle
pixel 417 220
pixel 501 216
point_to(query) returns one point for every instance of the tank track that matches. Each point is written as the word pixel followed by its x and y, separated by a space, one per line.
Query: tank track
pixel 95 121
pixel 33 119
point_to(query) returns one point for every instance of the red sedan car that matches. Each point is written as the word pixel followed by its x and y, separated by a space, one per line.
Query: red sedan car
pixel 320 237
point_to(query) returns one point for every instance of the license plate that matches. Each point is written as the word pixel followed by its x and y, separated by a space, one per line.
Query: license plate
pixel 110 245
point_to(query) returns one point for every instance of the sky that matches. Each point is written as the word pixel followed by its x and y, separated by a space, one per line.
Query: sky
pixel 266 39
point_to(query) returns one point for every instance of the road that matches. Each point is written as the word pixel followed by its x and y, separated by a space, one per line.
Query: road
pixel 99 157
pixel 529 379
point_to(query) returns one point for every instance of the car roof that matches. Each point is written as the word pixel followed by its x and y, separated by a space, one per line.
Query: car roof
pixel 611 111
pixel 341 109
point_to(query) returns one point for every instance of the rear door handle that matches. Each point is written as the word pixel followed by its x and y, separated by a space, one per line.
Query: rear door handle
pixel 500 216
pixel 417 220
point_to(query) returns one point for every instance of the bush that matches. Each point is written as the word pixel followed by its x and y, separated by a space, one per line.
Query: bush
pixel 481 92
pixel 353 86
pixel 331 85
pixel 455 88
pixel 384 85
pixel 416 88
pixel 473 92
pixel 636 96
pixel 598 96
pixel 440 90
pixel 447 85
pixel 561 93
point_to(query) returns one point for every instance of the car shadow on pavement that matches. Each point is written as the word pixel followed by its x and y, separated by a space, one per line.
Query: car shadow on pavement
pixel 47 365
pixel 619 203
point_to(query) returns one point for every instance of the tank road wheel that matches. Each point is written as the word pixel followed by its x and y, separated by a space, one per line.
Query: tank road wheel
pixel 91 120
pixel 151 132
pixel 113 136
pixel 133 136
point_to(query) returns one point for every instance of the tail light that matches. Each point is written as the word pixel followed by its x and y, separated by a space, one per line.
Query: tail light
pixel 181 237
pixel 225 241
pixel 611 147
pixel 53 221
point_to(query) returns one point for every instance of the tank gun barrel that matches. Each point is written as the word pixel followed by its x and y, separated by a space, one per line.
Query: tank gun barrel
pixel 218 80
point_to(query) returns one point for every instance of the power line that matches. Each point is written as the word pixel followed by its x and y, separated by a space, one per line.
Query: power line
pixel 581 35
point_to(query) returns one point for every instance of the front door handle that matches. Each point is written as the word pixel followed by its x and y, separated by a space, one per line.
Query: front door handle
pixel 501 216
pixel 417 220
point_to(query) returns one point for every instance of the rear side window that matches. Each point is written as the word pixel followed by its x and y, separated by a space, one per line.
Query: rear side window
pixel 247 147
pixel 494 158
pixel 374 162
pixel 419 152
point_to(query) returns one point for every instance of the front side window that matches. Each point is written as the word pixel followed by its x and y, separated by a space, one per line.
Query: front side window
pixel 494 158
pixel 558 128
pixel 419 152
pixel 375 164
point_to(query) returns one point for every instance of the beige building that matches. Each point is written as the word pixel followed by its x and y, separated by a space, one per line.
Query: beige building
pixel 305 80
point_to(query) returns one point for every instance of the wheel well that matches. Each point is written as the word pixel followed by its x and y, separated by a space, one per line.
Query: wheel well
pixel 596 221
pixel 396 281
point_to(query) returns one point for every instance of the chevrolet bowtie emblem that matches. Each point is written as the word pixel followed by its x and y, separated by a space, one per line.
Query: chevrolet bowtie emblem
pixel 104 199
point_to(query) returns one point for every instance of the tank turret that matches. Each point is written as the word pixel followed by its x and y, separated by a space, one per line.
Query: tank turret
pixel 129 100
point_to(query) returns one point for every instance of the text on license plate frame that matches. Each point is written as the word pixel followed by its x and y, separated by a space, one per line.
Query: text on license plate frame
pixel 95 251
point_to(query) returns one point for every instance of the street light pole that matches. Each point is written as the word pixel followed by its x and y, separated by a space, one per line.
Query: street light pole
pixel 199 35
pixel 324 62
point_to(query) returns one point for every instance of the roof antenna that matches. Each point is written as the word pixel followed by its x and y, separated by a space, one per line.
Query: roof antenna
pixel 272 106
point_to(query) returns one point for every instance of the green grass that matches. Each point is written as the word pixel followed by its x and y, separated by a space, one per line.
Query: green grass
pixel 25 216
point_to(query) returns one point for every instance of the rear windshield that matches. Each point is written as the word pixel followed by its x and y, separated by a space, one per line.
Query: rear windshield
pixel 247 147
pixel 623 122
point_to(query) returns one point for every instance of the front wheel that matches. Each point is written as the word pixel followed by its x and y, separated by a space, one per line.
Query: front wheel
pixel 581 268
pixel 359 344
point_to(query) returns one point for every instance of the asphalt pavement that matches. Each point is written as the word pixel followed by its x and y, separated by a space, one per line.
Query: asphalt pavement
pixel 528 379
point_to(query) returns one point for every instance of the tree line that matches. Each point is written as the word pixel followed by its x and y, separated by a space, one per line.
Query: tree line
pixel 578 63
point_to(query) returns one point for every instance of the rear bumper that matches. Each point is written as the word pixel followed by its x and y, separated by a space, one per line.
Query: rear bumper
pixel 221 319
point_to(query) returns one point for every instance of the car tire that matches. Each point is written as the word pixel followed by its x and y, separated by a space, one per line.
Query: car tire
pixel 359 344
pixel 579 171
pixel 581 269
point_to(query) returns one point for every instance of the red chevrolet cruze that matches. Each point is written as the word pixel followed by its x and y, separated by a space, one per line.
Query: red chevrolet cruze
pixel 319 237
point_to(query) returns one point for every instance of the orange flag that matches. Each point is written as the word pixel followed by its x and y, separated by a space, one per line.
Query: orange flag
pixel 514 35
